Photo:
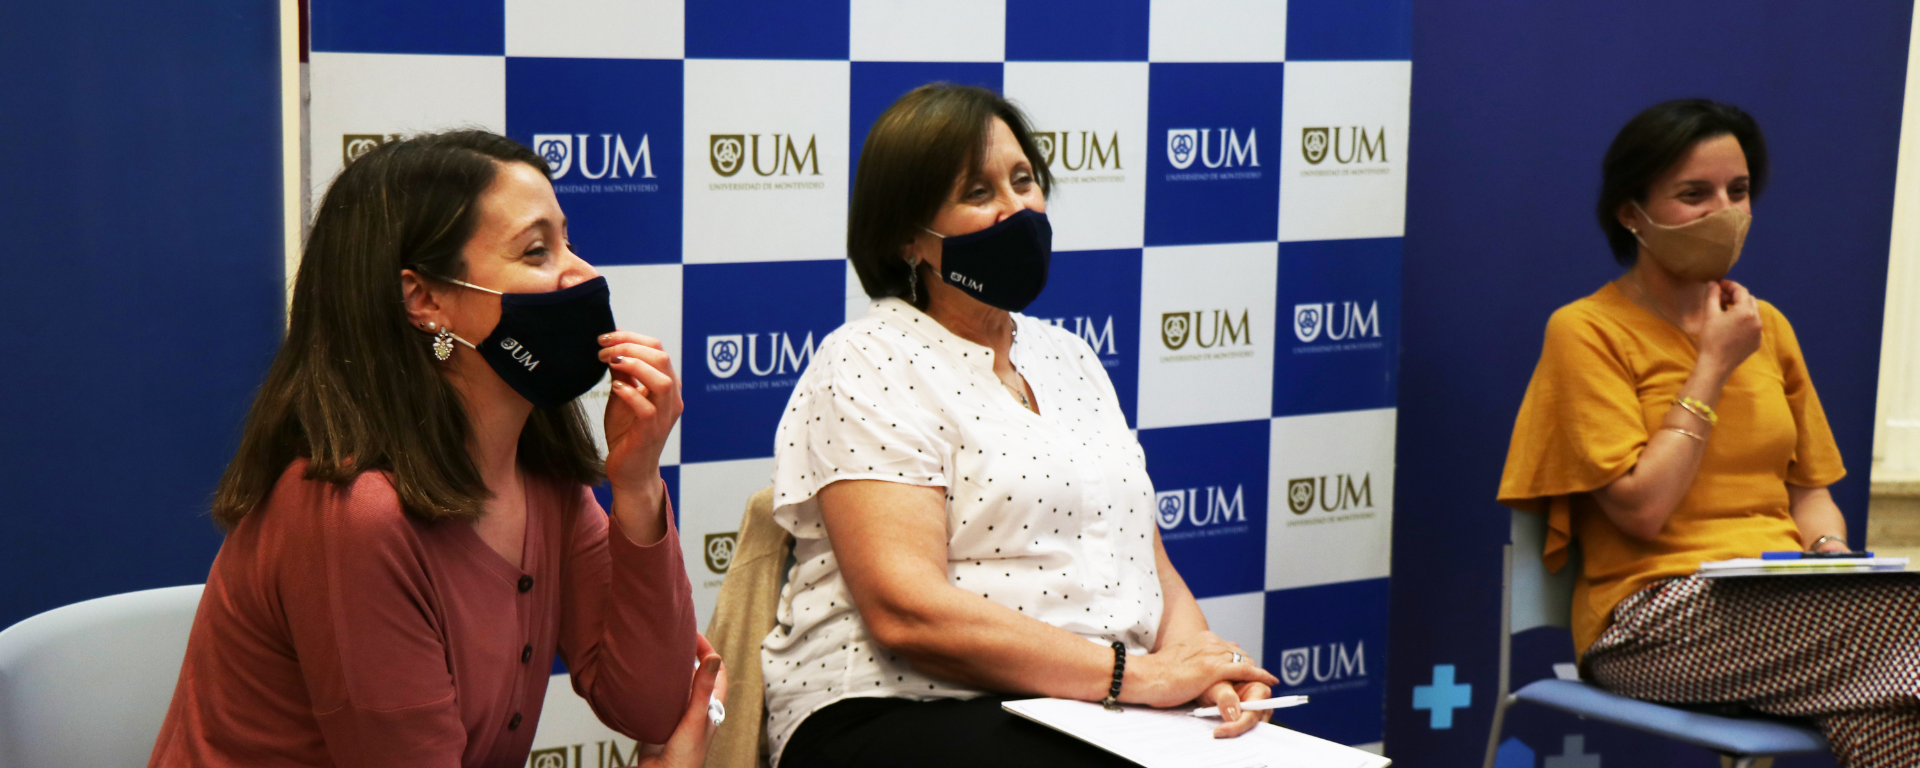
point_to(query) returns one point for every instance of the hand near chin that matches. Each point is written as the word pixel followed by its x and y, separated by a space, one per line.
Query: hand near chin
pixel 641 411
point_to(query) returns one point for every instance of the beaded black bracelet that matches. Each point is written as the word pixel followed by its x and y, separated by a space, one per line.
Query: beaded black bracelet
pixel 1112 701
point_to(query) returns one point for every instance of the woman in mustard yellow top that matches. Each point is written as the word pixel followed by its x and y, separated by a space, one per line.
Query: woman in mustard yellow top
pixel 1672 421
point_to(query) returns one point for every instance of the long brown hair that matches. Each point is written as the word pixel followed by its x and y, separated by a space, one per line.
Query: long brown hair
pixel 354 387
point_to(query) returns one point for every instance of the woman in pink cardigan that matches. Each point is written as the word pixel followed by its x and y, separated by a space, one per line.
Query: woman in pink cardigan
pixel 410 535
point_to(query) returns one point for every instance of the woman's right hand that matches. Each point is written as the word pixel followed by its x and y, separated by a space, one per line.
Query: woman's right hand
pixel 1731 331
pixel 1181 672
pixel 687 747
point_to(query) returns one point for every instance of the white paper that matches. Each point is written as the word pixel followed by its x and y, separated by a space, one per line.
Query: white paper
pixel 1754 566
pixel 1162 738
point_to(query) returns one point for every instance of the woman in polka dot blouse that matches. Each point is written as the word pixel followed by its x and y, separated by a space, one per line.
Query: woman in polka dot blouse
pixel 972 518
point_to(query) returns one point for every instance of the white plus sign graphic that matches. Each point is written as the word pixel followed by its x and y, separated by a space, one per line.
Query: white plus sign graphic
pixel 1573 754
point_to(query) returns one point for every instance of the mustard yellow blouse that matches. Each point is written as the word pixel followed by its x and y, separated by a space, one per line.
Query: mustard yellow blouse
pixel 1607 375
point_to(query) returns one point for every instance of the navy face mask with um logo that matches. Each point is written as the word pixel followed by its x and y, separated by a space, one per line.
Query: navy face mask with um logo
pixel 1004 265
pixel 547 345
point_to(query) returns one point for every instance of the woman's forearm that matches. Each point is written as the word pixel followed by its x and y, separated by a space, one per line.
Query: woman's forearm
pixel 1815 514
pixel 1640 501
pixel 1180 616
pixel 960 636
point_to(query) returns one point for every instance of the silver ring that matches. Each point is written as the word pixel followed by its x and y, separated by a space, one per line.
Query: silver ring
pixel 1237 658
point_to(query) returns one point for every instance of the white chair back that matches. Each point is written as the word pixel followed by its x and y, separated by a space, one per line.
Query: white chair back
pixel 1538 598
pixel 89 683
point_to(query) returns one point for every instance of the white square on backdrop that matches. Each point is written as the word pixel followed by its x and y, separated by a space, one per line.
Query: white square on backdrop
pixel 766 161
pixel 910 30
pixel 1091 122
pixel 713 498
pixel 1238 619
pixel 1343 156
pixel 362 99
pixel 1206 333
pixel 597 29
pixel 1330 498
pixel 646 299
pixel 1217 30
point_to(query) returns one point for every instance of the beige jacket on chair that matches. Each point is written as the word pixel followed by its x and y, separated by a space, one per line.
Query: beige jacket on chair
pixel 742 618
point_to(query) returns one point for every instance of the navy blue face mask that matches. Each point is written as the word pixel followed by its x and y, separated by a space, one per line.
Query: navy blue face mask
pixel 547 345
pixel 1003 266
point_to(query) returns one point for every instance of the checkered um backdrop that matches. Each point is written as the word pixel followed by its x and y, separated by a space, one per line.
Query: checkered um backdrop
pixel 1227 235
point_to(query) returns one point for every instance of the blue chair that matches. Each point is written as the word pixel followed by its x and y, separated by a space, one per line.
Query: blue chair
pixel 89 683
pixel 1534 598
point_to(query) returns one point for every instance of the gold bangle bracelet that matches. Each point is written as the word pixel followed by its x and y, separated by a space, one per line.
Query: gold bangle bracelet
pixel 1693 435
pixel 1700 409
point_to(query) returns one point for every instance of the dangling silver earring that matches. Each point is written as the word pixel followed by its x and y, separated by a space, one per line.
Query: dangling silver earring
pixel 913 281
pixel 442 343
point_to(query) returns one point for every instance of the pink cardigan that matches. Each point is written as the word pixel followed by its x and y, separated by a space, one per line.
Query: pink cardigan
pixel 336 630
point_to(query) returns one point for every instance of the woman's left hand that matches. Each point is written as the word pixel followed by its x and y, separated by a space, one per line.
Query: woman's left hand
pixel 1227 696
pixel 642 411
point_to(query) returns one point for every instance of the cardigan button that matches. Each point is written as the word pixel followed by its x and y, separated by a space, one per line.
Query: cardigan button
pixel 526 583
pixel 526 654
pixel 514 724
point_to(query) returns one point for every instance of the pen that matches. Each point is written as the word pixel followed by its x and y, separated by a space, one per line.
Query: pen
pixel 1277 702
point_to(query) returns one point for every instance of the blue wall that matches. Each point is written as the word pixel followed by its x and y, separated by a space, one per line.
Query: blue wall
pixel 140 289
pixel 1513 105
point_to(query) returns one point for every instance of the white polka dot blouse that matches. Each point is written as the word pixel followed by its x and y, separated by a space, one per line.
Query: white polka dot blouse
pixel 1048 513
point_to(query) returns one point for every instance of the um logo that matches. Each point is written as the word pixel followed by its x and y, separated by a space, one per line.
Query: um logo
pixel 1177 328
pixel 1338 320
pixel 1334 493
pixel 1227 150
pixel 610 757
pixel 1200 507
pixel 1062 147
pixel 729 353
pixel 353 145
pixel 730 152
pixel 564 151
pixel 1324 663
pixel 719 550
pixel 1316 144
pixel 1097 335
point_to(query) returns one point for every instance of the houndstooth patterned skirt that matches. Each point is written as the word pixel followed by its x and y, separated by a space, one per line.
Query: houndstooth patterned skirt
pixel 1842 651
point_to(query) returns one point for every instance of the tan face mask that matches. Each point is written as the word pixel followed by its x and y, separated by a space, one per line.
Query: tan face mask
pixel 1703 249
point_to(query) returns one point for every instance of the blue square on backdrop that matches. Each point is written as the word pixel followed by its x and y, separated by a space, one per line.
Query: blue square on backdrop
pixel 669 474
pixel 749 330
pixel 1330 643
pixel 878 84
pixel 615 161
pixel 1096 294
pixel 426 26
pixel 1210 499
pixel 1339 334
pixel 1349 30
pixel 1077 30
pixel 767 29
pixel 1210 176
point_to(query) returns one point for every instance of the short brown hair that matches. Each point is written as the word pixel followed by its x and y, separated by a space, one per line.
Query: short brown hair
pixel 931 136
pixel 354 387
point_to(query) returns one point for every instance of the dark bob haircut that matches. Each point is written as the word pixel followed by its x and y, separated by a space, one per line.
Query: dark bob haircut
pixel 354 386
pixel 1656 139
pixel 917 148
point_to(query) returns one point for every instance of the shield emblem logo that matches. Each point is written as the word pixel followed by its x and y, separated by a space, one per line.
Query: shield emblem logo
pixel 1308 319
pixel 719 550
pixel 1172 505
pixel 1180 146
pixel 557 150
pixel 1300 495
pixel 548 758
pixel 1313 144
pixel 1293 665
pixel 1044 140
pixel 726 151
pixel 353 145
pixel 1173 329
pixel 723 355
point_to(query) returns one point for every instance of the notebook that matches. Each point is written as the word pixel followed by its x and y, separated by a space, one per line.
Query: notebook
pixel 1753 566
pixel 1169 738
